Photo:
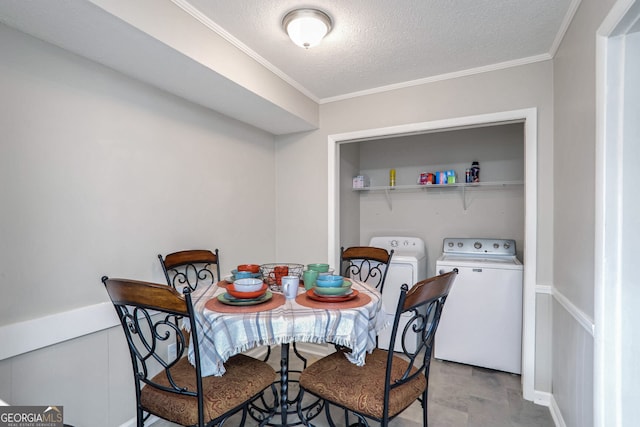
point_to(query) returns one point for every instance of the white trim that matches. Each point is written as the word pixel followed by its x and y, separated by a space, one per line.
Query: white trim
pixel 440 77
pixel 529 117
pixel 34 334
pixel 580 316
pixel 607 377
pixel 544 289
pixel 204 19
pixel 542 398
pixel 556 414
pixel 530 259
pixel 207 22
pixel 568 17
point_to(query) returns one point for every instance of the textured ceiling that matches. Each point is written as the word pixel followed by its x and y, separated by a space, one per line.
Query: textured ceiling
pixel 377 43
pixel 233 57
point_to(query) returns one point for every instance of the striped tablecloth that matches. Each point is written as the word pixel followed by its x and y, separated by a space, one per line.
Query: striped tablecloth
pixel 222 335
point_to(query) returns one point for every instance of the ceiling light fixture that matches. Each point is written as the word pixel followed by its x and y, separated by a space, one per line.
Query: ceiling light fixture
pixel 306 27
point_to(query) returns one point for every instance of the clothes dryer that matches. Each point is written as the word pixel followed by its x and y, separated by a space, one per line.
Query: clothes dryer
pixel 408 265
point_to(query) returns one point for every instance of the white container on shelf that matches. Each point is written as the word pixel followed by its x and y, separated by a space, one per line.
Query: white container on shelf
pixel 360 181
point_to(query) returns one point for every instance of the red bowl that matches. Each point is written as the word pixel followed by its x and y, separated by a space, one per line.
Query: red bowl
pixel 253 268
pixel 246 295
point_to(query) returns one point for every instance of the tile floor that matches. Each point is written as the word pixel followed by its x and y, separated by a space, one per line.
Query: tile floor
pixel 459 396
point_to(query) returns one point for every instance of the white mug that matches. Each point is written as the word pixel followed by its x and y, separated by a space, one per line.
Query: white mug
pixel 290 286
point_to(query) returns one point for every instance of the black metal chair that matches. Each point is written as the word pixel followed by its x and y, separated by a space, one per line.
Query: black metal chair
pixel 194 267
pixel 389 382
pixel 169 386
pixel 191 268
pixel 366 263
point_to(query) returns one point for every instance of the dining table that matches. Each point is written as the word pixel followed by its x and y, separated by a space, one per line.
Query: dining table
pixel 225 329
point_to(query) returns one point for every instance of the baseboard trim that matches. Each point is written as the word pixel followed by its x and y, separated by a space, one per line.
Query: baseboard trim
pixel 542 398
pixel 556 415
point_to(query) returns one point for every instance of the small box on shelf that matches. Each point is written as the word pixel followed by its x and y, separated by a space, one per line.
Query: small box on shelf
pixel 361 181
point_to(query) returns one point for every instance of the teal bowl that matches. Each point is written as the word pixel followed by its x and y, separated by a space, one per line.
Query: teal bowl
pixel 235 274
pixel 243 274
pixel 334 291
pixel 329 281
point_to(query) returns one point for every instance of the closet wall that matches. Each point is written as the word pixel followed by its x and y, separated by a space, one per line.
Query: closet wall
pixel 435 213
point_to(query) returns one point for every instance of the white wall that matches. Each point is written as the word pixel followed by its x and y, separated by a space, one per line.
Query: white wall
pixel 574 220
pixel 99 174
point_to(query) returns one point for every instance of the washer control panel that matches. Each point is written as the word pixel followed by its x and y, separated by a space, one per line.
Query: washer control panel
pixel 412 246
pixel 501 247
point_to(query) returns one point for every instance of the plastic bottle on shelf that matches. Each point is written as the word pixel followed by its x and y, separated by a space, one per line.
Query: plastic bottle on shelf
pixel 475 172
pixel 392 178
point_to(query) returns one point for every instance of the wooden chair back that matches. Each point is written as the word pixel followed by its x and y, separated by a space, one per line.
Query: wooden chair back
pixel 191 268
pixel 366 263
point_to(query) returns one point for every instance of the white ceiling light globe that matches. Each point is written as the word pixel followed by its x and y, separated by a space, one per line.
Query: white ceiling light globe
pixel 306 27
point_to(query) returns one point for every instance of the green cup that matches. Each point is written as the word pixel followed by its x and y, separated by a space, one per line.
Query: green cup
pixel 309 278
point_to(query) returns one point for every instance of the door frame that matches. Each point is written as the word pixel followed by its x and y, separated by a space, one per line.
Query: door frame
pixel 527 116
pixel 611 282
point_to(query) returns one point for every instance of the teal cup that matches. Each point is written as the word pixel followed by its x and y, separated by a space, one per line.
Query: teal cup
pixel 309 278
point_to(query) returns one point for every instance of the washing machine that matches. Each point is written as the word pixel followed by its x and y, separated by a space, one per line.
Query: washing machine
pixel 408 265
pixel 481 323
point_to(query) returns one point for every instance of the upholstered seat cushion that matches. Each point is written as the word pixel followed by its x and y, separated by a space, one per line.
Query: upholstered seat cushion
pixel 361 388
pixel 244 378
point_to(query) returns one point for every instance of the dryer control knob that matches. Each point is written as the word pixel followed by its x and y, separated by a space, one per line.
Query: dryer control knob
pixel 450 244
pixel 477 245
pixel 460 244
pixel 496 246
pixel 507 245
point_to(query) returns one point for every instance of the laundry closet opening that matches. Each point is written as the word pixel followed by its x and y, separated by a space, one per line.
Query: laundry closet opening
pixel 493 210
pixel 502 206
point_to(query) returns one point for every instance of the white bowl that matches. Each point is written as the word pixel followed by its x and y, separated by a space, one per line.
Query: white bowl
pixel 247 285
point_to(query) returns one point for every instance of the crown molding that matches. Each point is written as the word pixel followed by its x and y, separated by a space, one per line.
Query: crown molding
pixel 440 77
pixel 203 19
pixel 568 17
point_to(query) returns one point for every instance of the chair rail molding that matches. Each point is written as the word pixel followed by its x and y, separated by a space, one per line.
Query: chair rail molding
pixel 33 334
pixel 580 316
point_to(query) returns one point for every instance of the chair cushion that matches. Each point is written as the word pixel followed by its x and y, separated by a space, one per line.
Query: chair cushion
pixel 361 388
pixel 244 378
